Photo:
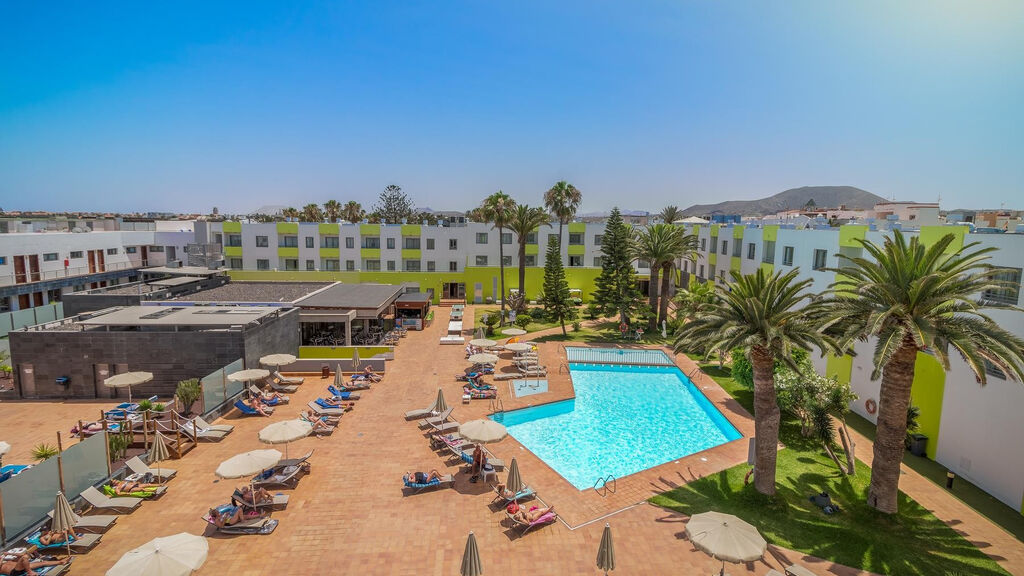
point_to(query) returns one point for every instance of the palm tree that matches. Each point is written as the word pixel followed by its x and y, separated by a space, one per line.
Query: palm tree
pixel 693 298
pixel 312 213
pixel 353 212
pixel 562 200
pixel 913 299
pixel 498 208
pixel 290 213
pixel 523 220
pixel 661 245
pixel 761 315
pixel 332 209
pixel 670 214
pixel 685 247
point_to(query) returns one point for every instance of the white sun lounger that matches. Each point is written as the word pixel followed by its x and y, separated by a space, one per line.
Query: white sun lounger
pixel 288 380
pixel 99 501
pixel 137 466
pixel 97 523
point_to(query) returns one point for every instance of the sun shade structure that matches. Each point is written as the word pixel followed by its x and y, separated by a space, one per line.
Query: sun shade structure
pixel 4 448
pixel 471 565
pixel 285 432
pixel 158 453
pixel 725 537
pixel 519 347
pixel 513 331
pixel 127 380
pixel 355 358
pixel 177 555
pixel 483 431
pixel 514 483
pixel 482 342
pixel 249 375
pixel 64 518
pixel 606 551
pixel 248 464
pixel 483 359
pixel 277 360
pixel 440 405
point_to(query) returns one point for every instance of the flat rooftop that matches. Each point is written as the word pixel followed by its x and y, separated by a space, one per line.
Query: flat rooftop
pixel 127 289
pixel 182 271
pixel 171 316
pixel 255 292
pixel 353 296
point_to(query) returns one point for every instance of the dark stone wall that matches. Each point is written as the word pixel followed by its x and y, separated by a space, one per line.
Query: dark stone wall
pixel 80 303
pixel 282 336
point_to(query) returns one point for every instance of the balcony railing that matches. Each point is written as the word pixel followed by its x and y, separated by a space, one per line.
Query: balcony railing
pixel 70 272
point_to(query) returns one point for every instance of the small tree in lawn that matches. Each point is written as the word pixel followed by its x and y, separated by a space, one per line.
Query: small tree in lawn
pixel 616 292
pixel 523 320
pixel 556 299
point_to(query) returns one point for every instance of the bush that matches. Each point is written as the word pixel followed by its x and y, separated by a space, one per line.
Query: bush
pixel 188 392
pixel 538 314
pixel 158 407
pixel 593 310
pixel 145 406
pixel 576 325
pixel 43 451
pixel 523 321
pixel 490 321
pixel 118 444
pixel 742 369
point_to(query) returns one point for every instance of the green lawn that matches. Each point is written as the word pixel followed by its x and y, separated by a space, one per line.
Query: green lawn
pixel 914 543
pixel 534 326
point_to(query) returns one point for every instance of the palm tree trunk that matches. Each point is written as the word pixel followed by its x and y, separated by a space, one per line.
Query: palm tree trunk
pixel 666 286
pixel 559 234
pixel 501 271
pixel 849 447
pixel 766 420
pixel 652 295
pixel 893 399
pixel 522 269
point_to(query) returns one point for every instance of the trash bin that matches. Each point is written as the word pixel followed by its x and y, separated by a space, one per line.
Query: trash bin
pixel 918 444
pixel 325 371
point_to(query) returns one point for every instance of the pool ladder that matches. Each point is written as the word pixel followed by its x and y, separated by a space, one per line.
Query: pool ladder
pixel 602 484
pixel 496 407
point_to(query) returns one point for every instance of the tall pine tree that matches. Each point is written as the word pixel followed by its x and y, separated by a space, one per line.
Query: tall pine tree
pixel 556 299
pixel 617 291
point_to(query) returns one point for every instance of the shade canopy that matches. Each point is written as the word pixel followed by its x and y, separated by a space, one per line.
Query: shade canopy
pixel 355 358
pixel 248 375
pixel 285 431
pixel 127 380
pixel 483 359
pixel 158 450
pixel 482 431
pixel 482 342
pixel 64 518
pixel 514 483
pixel 339 376
pixel 177 555
pixel 440 405
pixel 277 360
pixel 725 537
pixel 471 565
pixel 513 331
pixel 606 551
pixel 519 347
pixel 4 448
pixel 248 464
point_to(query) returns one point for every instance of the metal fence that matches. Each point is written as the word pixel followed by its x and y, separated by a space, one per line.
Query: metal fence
pixel 629 356
pixel 217 389
pixel 30 317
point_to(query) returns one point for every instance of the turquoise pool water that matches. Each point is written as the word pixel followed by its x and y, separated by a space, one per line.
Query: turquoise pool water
pixel 624 419
pixel 646 357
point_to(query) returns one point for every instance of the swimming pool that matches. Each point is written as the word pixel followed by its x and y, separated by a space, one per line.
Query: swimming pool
pixel 624 419
pixel 640 356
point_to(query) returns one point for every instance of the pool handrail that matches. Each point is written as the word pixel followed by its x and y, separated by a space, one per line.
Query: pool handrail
pixel 603 483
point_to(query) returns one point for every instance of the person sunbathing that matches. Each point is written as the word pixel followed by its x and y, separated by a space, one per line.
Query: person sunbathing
pixel 244 495
pixel 125 488
pixel 268 395
pixel 422 477
pixel 335 402
pixel 47 537
pixel 476 393
pixel 368 374
pixel 24 565
pixel 321 423
pixel 228 515
pixel 257 405
pixel 504 492
pixel 532 515
pixel 87 428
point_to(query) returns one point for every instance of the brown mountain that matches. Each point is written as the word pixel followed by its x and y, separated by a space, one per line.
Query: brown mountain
pixel 823 196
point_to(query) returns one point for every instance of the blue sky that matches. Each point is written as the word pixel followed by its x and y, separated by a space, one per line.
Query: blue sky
pixel 186 106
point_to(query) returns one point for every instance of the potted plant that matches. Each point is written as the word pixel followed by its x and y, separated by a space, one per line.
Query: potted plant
pixel 188 392
pixel 43 451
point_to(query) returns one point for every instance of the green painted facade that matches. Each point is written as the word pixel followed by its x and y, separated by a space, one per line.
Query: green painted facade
pixel 734 265
pixel 532 249
pixel 926 393
pixel 231 227
pixel 411 254
pixel 285 252
pixel 839 367
pixel 850 234
pixel 714 229
pixel 329 229
pixel 577 227
pixel 233 251
pixel 288 228
pixel 737 231
pixel 343 352
pixel 330 252
pixel 931 234
pixel 369 229
pixel 411 229
pixel 768 269
pixel 576 250
pixel 770 233
pixel 371 253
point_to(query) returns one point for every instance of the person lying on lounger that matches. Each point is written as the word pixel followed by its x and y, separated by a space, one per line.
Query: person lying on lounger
pixel 125 488
pixel 268 395
pixel 504 492
pixel 335 402
pixel 244 496
pixel 24 565
pixel 422 477
pixel 47 537
pixel 474 393
pixel 321 423
pixel 256 405
pixel 532 515
pixel 228 515
pixel 368 374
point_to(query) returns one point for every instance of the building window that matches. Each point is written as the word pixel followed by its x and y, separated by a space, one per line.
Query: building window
pixel 714 244
pixel 506 260
pixel 372 242
pixel 1009 292
pixel 575 260
pixel 235 240
pixel 411 243
pixel 412 265
pixel 453 244
pixel 261 242
pixel 235 263
pixel 725 246
pixel 75 254
pixel 453 266
pixel 111 251
pixel 641 263
pixel 291 264
pixel 391 265
pixel 994 371
pixel 3 260
pixel 597 261
pixel 575 239
pixel 156 248
pixel 332 264
pixel 350 265
pixel 787 255
pixel 481 260
pixel 350 242
pixel 598 238
pixel 820 259
pixel 737 248
pixel 481 237
pixel 391 243
pixel 531 260
pixel 263 264
pixel 711 271
pixel 430 243
pixel 329 241
pixel 531 238
pixel 751 249
pixel 288 242
pixel 506 237
pixel 310 264
pixel 372 266
pixel 310 242
pixel 701 273
pixel 703 244
pixel 769 252
pixel 130 249
pixel 430 266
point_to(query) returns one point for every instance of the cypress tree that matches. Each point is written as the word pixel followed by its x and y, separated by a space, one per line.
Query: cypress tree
pixel 556 300
pixel 617 291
